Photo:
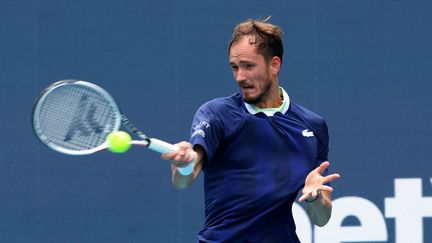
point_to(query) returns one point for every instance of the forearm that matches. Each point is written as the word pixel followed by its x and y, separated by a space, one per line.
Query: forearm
pixel 182 181
pixel 319 210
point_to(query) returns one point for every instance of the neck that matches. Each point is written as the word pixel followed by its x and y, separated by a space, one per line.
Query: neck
pixel 273 100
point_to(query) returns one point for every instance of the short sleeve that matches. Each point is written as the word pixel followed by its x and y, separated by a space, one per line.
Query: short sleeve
pixel 323 143
pixel 206 130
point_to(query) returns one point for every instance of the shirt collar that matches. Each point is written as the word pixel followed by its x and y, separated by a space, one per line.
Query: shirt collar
pixel 271 111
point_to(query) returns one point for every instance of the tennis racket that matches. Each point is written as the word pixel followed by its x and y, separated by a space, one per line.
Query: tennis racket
pixel 75 117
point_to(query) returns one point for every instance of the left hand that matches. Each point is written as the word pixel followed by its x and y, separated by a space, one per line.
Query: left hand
pixel 315 182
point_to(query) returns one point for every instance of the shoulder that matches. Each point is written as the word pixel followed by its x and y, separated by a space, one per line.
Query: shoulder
pixel 303 113
pixel 222 105
pixel 308 118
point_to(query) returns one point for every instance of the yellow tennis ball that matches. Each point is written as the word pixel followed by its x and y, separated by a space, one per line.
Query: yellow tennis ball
pixel 119 142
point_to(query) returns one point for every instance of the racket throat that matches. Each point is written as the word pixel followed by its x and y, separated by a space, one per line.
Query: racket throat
pixel 133 129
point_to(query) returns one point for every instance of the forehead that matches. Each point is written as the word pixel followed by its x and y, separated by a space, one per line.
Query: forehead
pixel 242 49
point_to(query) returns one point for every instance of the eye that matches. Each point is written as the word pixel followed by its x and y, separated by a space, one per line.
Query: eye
pixel 249 66
pixel 234 67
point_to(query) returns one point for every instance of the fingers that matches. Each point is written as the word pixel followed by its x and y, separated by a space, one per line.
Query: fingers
pixel 183 147
pixel 311 192
pixel 182 156
pixel 185 152
pixel 187 157
pixel 326 188
pixel 331 177
pixel 314 193
pixel 322 167
pixel 307 195
pixel 316 182
pixel 303 197
pixel 310 196
pixel 168 156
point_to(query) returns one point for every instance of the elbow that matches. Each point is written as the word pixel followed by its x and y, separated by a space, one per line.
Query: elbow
pixel 320 217
pixel 324 219
pixel 322 222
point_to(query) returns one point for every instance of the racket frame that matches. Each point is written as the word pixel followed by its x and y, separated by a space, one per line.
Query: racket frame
pixel 44 139
pixel 120 119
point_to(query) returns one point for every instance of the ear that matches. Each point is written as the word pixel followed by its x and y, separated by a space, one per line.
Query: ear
pixel 275 65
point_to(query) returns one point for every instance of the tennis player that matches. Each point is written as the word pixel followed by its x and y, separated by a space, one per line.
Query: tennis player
pixel 257 149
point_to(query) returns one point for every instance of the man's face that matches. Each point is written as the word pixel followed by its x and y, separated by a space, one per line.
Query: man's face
pixel 251 72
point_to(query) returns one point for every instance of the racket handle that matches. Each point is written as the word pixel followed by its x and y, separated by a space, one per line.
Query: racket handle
pixel 164 147
pixel 161 146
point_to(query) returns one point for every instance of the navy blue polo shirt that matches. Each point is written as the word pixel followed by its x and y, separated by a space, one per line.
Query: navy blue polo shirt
pixel 256 165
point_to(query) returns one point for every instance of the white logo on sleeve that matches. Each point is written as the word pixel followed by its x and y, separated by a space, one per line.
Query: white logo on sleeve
pixel 307 133
pixel 199 129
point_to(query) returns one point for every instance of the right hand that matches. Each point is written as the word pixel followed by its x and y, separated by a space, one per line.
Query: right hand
pixel 183 156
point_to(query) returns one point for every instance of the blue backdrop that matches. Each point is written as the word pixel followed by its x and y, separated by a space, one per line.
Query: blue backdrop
pixel 363 65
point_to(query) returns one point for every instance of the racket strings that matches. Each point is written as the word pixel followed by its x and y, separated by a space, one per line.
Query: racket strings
pixel 76 117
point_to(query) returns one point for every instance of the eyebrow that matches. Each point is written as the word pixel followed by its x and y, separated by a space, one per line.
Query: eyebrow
pixel 242 62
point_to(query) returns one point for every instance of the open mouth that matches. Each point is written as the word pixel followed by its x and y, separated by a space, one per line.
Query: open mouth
pixel 246 87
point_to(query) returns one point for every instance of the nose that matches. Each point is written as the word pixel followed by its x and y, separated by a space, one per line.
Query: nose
pixel 239 75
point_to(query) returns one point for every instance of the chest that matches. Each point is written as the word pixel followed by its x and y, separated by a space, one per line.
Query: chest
pixel 274 138
pixel 267 154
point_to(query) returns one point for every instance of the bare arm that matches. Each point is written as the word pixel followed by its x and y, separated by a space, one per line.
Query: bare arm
pixel 318 195
pixel 183 156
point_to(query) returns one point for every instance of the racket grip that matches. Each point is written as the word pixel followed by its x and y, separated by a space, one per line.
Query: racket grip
pixel 161 146
pixel 164 147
